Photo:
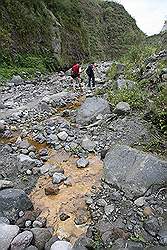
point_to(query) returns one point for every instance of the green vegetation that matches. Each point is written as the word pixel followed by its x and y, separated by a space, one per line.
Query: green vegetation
pixel 68 30
pixel 156 145
pixel 148 94
pixel 26 64
pixel 135 59
pixel 135 97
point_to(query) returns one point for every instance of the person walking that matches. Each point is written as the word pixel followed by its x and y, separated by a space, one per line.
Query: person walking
pixel 75 75
pixel 91 75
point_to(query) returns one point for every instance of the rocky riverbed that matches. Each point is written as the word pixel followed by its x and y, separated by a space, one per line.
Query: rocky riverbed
pixel 70 170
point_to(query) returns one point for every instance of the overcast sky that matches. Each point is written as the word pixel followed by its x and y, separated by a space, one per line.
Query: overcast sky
pixel 149 14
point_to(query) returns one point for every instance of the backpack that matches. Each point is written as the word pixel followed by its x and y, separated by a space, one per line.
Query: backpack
pixel 75 69
pixel 89 70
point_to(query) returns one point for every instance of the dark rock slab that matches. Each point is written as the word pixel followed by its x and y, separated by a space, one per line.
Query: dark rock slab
pixel 12 201
pixel 91 108
pixel 134 171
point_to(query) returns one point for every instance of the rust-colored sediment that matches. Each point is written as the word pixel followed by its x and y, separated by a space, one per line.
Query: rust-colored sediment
pixel 70 200
pixel 74 105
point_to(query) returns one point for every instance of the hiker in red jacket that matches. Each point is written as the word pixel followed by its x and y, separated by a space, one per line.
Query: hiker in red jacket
pixel 75 74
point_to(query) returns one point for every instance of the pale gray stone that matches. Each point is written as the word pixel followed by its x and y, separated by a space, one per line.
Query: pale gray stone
pixel 88 145
pixel 122 108
pixel 7 233
pixel 61 245
pixel 62 135
pixel 58 178
pixel 6 184
pixel 82 163
pixel 22 240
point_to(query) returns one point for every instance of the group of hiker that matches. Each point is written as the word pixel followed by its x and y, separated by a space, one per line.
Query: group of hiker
pixel 76 75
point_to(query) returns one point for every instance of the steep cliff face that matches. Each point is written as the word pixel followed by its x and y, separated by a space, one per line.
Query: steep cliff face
pixel 68 30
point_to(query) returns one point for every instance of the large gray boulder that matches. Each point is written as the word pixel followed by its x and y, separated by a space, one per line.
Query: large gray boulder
pixel 90 109
pixel 12 201
pixel 134 171
pixel 7 233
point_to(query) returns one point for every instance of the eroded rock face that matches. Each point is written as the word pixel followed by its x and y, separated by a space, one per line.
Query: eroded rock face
pixel 90 109
pixel 12 201
pixel 134 171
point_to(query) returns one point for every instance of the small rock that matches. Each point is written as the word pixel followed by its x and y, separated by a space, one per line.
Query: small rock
pixel 139 202
pixel 58 178
pixel 32 155
pixel 17 80
pixel 6 184
pixel 101 203
pixel 88 145
pixel 82 163
pixel 62 135
pixel 29 172
pixel 26 162
pixel 42 220
pixel 122 108
pixel 61 245
pixel 37 223
pixel 64 216
pixel 28 223
pixel 31 148
pixel 21 214
pixel 45 168
pixel 89 201
pixel 56 170
pixel 68 182
pixel 109 209
pixel 4 220
pixel 83 243
pixel 22 240
pixel 43 152
pixel 52 190
pixel 147 211
pixel 23 144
